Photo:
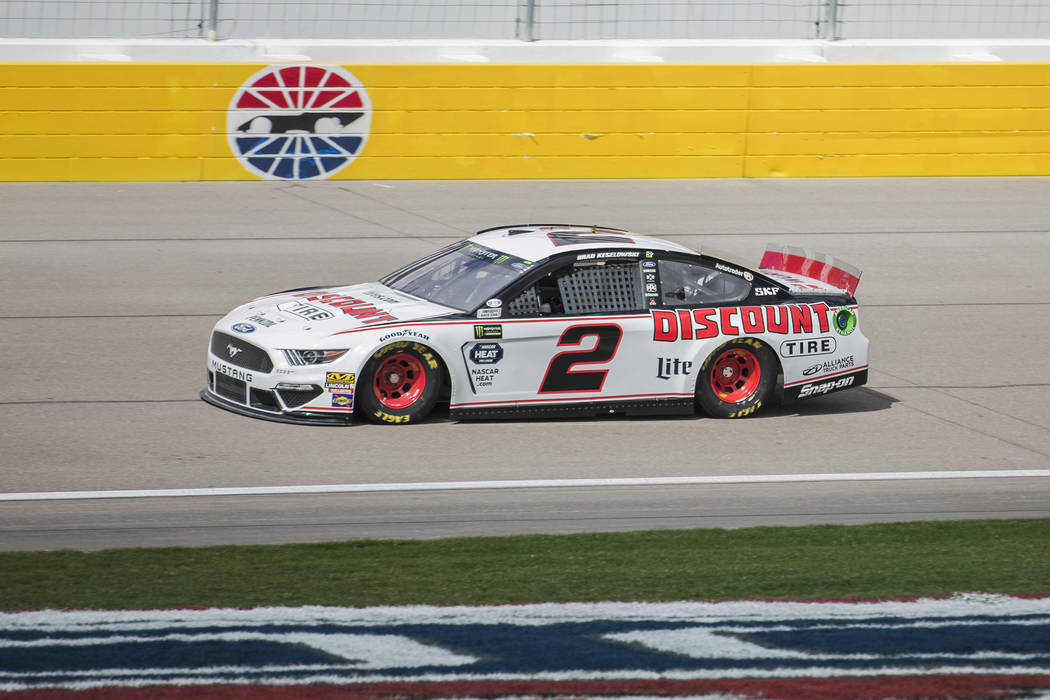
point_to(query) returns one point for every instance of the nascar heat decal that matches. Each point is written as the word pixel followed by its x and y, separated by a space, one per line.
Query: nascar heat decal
pixel 299 122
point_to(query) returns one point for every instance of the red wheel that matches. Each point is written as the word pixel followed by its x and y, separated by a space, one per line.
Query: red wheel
pixel 736 375
pixel 736 379
pixel 400 383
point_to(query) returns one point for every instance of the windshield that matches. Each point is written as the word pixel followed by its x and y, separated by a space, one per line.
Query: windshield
pixel 463 275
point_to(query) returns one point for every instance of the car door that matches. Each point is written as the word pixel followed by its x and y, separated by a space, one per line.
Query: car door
pixel 575 331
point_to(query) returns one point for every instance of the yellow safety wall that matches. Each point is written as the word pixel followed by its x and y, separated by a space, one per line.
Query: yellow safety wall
pixel 143 121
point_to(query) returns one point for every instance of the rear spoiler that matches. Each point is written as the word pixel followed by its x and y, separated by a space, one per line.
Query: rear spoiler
pixel 811 264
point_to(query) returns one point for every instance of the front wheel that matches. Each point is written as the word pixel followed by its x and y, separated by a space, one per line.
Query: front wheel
pixel 737 379
pixel 400 384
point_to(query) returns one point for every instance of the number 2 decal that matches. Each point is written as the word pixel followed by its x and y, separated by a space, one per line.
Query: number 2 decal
pixel 560 374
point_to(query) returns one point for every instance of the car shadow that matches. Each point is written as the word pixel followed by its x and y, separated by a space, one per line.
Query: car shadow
pixel 859 400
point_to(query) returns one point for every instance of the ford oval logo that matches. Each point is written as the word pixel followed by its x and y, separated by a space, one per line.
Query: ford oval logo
pixel 243 327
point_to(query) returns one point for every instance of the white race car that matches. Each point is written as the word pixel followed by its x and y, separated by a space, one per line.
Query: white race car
pixel 546 320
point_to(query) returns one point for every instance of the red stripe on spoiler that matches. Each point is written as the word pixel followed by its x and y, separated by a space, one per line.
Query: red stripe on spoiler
pixel 813 265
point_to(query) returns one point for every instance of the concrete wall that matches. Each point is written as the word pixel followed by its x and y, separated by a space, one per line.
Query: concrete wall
pixel 129 120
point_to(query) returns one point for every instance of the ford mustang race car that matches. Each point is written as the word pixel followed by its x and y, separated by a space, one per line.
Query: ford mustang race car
pixel 546 320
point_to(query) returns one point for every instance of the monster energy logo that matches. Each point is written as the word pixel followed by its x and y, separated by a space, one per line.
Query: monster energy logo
pixel 488 330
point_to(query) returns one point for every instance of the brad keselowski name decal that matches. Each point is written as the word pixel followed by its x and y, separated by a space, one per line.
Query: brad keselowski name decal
pixel 970 645
pixel 364 311
pixel 697 324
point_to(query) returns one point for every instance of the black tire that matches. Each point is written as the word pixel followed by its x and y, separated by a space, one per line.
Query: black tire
pixel 737 379
pixel 400 384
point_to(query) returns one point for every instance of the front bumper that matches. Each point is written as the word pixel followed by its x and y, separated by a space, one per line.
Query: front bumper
pixel 298 417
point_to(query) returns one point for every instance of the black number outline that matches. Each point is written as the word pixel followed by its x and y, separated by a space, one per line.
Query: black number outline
pixel 560 377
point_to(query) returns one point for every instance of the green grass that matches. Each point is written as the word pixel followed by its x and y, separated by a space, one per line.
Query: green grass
pixel 900 560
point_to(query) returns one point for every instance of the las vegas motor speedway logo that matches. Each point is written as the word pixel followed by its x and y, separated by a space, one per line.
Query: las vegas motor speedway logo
pixel 970 645
pixel 298 122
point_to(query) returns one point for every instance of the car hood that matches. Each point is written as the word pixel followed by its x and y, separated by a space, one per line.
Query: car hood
pixel 308 318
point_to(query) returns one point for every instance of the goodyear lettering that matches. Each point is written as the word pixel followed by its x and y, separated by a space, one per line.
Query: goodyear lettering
pixel 405 333
pixel 390 418
pixel 364 311
pixel 698 324
pixel 746 411
pixel 428 356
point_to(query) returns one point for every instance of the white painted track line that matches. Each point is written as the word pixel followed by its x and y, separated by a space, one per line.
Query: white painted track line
pixel 525 484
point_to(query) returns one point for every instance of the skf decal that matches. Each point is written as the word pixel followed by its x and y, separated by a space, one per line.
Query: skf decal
pixel 686 324
pixel 363 311
pixel 303 122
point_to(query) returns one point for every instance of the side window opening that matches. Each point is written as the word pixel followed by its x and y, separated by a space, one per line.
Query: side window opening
pixel 684 283
pixel 582 288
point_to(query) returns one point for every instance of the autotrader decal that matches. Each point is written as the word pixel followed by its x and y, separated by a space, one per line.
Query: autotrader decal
pixel 298 122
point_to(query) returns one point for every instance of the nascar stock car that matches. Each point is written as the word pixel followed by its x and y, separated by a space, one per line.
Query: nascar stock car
pixel 546 320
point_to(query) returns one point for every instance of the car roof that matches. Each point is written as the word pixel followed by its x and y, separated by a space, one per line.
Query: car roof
pixel 538 241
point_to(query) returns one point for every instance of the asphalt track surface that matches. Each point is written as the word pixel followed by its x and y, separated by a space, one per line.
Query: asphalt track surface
pixel 109 292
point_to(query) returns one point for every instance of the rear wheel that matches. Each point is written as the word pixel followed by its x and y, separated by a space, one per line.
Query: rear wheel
pixel 737 379
pixel 400 384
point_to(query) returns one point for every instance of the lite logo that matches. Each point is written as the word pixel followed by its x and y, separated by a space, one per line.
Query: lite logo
pixel 667 367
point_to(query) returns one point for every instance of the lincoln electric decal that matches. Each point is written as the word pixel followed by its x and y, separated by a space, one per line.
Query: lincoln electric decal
pixel 298 122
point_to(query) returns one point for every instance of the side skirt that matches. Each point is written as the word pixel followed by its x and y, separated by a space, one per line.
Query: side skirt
pixel 590 409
